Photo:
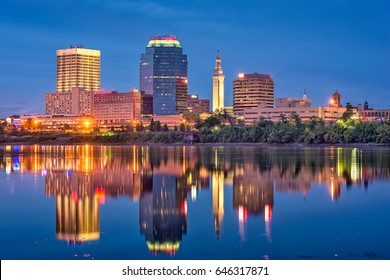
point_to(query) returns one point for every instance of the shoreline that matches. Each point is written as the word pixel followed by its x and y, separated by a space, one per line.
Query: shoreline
pixel 244 144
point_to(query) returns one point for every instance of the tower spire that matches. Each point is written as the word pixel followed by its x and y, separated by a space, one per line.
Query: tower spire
pixel 218 84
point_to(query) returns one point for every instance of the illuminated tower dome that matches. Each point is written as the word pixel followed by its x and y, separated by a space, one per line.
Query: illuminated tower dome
pixel 164 74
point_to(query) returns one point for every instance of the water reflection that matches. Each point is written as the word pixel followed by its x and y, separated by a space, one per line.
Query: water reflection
pixel 161 179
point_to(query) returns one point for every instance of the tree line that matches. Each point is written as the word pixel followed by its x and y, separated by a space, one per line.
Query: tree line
pixel 223 128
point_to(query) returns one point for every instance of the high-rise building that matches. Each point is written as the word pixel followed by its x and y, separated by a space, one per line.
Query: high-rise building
pixel 78 67
pixel 252 90
pixel 164 74
pixel 218 85
pixel 146 105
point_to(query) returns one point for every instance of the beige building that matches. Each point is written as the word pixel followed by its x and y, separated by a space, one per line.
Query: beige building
pixel 78 67
pixel 293 102
pixel 111 107
pixel 197 105
pixel 327 114
pixel 218 85
pixel 75 101
pixel 250 90
pixel 375 115
pixel 169 120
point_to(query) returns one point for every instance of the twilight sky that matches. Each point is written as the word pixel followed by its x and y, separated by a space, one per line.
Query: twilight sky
pixel 315 45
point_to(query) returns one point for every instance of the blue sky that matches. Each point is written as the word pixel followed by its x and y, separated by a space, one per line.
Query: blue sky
pixel 319 46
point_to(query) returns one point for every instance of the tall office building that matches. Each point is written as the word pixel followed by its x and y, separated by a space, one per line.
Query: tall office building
pixel 218 85
pixel 164 74
pixel 78 67
pixel 252 90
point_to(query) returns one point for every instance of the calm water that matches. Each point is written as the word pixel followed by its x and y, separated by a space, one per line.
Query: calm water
pixel 103 202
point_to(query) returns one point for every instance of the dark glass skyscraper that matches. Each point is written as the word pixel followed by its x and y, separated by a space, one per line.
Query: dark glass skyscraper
pixel 164 74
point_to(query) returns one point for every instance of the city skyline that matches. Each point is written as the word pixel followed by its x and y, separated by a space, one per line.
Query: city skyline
pixel 319 47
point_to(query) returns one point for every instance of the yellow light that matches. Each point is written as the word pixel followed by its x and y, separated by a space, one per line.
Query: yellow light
pixel 331 101
pixel 87 123
pixel 241 75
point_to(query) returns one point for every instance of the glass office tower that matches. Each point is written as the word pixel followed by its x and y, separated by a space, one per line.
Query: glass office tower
pixel 164 74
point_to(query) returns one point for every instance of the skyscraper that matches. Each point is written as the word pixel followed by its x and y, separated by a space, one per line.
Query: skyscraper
pixel 252 90
pixel 218 85
pixel 78 67
pixel 164 74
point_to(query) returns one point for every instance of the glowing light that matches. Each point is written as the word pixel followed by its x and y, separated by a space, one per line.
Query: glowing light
pixel 331 101
pixel 100 195
pixel 267 213
pixel 242 213
pixel 241 75
pixel 165 247
pixel 184 207
pixel 164 41
pixel 75 196
pixel 193 193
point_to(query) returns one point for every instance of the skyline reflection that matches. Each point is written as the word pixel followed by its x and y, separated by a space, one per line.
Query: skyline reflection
pixel 163 179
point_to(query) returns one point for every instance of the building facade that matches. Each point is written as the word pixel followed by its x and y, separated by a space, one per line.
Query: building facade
pixel 75 101
pixel 146 105
pixel 164 74
pixel 78 67
pixel 293 102
pixel 113 108
pixel 197 105
pixel 218 85
pixel 327 114
pixel 250 90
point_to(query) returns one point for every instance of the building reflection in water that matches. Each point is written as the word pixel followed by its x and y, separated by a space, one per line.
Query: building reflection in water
pixel 77 206
pixel 163 214
pixel 217 183
pixel 83 177
pixel 253 194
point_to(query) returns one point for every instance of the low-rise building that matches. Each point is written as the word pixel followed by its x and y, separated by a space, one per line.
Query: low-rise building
pixel 77 101
pixel 197 105
pixel 293 102
pixel 169 120
pixel 116 109
pixel 325 113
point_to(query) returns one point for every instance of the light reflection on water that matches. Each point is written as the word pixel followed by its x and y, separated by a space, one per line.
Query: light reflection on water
pixel 212 202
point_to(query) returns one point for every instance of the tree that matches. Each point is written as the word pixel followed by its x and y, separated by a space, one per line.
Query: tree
pixel 175 128
pixel 283 118
pixel 2 127
pixel 29 123
pixel 165 128
pixel 208 123
pixel 139 127
pixel 182 127
pixel 158 126
pixel 191 117
pixel 129 128
pixel 348 113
